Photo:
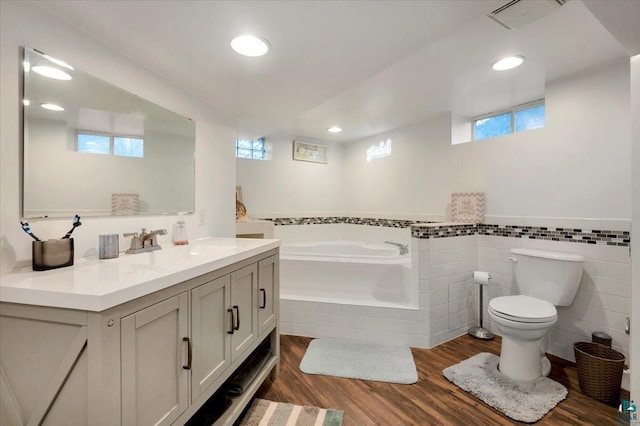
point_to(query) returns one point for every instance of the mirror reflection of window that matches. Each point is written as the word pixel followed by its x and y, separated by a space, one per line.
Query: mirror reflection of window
pixel 123 146
pixel 94 144
pixel 104 141
pixel 128 147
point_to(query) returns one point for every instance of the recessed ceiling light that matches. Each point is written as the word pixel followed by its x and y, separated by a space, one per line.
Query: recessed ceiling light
pixel 26 102
pixel 508 63
pixel 249 45
pixel 51 72
pixel 334 129
pixel 52 107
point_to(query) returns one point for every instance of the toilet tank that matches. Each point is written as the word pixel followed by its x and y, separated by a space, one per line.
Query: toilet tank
pixel 547 275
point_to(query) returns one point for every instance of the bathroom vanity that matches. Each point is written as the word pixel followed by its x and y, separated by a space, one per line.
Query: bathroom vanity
pixel 143 339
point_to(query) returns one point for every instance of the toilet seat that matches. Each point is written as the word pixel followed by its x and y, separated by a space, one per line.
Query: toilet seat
pixel 523 309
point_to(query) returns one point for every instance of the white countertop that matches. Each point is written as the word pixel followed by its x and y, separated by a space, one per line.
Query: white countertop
pixel 100 284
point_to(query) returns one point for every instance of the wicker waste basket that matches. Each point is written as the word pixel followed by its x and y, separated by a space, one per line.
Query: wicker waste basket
pixel 599 371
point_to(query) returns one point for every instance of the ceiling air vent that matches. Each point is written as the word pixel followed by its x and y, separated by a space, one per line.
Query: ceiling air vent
pixel 518 13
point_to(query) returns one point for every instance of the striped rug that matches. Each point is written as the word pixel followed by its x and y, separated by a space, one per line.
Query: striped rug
pixel 269 413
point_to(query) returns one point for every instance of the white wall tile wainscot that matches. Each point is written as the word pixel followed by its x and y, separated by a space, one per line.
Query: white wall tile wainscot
pixel 364 323
pixel 446 285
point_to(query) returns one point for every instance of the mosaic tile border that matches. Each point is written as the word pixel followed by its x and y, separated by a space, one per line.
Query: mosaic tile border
pixel 444 231
pixel 389 223
pixel 571 235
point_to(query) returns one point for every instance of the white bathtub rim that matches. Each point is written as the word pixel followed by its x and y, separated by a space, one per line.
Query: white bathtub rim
pixel 383 249
pixel 405 261
pixel 414 306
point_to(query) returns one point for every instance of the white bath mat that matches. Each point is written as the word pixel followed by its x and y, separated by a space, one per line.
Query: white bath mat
pixel 524 401
pixel 360 360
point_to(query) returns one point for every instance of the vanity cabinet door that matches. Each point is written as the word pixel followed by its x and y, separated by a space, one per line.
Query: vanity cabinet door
pixel 244 292
pixel 268 296
pixel 155 362
pixel 210 325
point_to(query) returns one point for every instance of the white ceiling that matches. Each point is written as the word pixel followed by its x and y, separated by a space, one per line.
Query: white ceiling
pixel 367 66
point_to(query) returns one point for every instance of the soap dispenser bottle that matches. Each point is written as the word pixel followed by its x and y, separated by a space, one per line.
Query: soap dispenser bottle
pixel 179 236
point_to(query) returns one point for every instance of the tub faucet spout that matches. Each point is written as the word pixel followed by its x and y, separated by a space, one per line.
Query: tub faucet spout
pixel 404 248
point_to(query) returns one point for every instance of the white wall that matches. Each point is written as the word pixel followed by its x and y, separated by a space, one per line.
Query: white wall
pixel 282 186
pixel 577 165
pixel 416 178
pixel 635 237
pixel 24 24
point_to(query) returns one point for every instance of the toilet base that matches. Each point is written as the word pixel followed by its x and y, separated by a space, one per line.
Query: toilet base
pixel 546 366
pixel 520 360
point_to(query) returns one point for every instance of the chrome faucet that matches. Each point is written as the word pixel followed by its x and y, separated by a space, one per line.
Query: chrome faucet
pixel 404 248
pixel 145 241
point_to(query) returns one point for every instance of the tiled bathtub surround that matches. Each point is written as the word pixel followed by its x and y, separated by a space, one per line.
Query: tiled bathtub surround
pixel 364 323
pixel 442 269
pixel 350 319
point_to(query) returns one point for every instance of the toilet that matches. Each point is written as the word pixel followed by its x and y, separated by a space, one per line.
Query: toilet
pixel 545 280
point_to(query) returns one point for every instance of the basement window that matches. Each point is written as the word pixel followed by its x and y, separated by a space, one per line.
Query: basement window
pixel 518 119
pixel 251 149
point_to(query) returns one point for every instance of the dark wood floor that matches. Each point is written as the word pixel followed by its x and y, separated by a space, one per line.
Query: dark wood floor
pixel 431 401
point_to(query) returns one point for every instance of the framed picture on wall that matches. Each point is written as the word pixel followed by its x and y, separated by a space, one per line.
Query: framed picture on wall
pixel 308 151
pixel 467 207
pixel 125 204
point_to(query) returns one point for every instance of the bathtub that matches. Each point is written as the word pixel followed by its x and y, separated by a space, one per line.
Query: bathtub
pixel 347 272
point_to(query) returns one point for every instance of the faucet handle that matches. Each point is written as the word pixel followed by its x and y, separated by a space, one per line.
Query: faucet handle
pixel 135 241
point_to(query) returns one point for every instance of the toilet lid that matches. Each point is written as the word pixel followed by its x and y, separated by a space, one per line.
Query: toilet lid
pixel 523 308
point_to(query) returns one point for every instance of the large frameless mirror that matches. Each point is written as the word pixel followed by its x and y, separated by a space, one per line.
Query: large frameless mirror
pixel 96 150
